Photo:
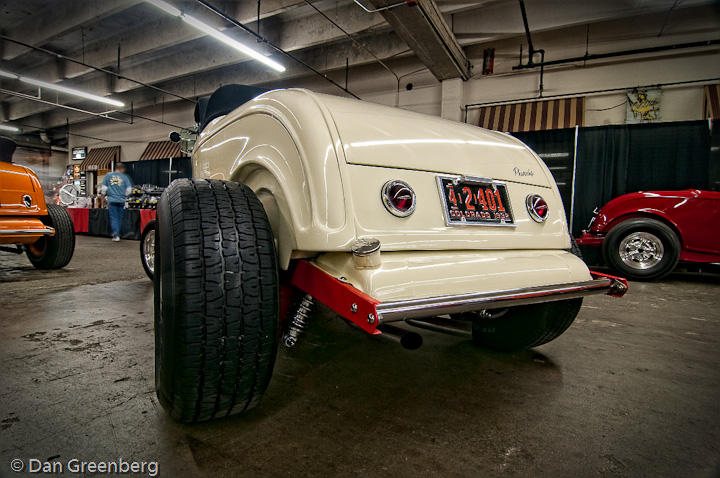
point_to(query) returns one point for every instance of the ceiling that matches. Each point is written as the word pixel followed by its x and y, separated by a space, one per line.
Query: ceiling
pixel 161 59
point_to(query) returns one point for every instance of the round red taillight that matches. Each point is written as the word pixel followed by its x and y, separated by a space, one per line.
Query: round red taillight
pixel 537 207
pixel 398 198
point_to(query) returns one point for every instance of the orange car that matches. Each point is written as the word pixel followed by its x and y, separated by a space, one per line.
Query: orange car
pixel 44 231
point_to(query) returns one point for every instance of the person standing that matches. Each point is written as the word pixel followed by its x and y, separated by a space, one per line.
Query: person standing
pixel 115 187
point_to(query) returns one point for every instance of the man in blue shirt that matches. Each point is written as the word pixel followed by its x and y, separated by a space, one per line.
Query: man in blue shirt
pixel 116 186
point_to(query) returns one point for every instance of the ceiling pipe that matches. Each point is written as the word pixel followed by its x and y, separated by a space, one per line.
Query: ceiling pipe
pixel 531 49
pixel 704 81
pixel 636 51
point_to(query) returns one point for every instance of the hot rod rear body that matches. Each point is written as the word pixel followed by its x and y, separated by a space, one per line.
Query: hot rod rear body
pixel 384 215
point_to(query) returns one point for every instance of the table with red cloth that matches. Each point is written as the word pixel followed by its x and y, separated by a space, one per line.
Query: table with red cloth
pixel 79 216
pixel 96 221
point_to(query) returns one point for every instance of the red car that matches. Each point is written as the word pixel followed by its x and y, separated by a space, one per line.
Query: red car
pixel 643 235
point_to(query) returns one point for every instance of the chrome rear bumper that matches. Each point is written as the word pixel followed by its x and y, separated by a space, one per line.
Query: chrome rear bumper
pixel 432 306
pixel 369 313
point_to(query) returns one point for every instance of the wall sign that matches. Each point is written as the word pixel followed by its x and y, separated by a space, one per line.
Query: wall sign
pixel 643 105
pixel 79 152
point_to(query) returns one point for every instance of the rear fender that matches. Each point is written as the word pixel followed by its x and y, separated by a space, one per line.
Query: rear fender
pixel 284 215
pixel 298 183
pixel 646 214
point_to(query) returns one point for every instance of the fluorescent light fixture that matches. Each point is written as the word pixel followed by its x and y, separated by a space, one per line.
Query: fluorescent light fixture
pixel 61 89
pixel 166 7
pixel 218 35
pixel 70 91
pixel 7 74
pixel 12 129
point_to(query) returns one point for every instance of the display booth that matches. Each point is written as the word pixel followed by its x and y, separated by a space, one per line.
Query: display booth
pixel 160 164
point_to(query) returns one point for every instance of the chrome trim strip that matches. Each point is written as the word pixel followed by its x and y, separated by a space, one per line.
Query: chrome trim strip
pixel 454 304
pixel 44 231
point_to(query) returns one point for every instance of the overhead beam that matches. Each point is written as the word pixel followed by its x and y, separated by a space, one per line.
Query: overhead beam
pixel 497 20
pixel 65 16
pixel 205 54
pixel 422 26
pixel 331 59
pixel 161 32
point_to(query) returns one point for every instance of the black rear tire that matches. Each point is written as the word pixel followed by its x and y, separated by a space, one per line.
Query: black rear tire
pixel 216 300
pixel 657 235
pixel 575 249
pixel 54 252
pixel 147 248
pixel 525 326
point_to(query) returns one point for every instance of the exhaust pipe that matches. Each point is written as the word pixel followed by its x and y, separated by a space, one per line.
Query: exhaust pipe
pixel 442 325
pixel 409 340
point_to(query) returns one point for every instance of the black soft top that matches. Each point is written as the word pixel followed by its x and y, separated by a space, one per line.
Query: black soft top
pixel 7 148
pixel 223 101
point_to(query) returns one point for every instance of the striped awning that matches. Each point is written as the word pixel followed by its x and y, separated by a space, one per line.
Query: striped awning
pixel 100 159
pixel 534 115
pixel 712 101
pixel 162 150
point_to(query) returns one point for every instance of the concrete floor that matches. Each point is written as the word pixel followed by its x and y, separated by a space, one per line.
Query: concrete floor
pixel 632 389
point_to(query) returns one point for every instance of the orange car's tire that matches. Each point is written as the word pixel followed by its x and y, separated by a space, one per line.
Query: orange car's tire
pixel 216 300
pixel 525 326
pixel 54 252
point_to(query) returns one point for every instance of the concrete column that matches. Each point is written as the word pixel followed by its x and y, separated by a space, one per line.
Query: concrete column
pixel 451 102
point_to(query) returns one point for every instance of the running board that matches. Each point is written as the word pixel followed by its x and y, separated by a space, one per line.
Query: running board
pixel 46 231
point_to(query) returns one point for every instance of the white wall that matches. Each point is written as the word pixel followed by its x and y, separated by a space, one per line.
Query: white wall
pixel 678 103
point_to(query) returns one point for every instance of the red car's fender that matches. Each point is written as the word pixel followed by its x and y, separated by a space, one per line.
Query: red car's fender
pixel 693 214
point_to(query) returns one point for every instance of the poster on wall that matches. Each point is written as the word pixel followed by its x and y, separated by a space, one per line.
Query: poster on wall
pixel 643 105
pixel 79 153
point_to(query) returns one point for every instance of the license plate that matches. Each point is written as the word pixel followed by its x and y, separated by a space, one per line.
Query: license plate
pixel 475 202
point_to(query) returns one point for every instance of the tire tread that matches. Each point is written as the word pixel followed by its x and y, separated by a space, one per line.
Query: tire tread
pixel 59 248
pixel 226 310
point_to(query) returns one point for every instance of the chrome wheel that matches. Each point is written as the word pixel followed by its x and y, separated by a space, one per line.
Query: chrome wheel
pixel 149 250
pixel 641 250
pixel 492 313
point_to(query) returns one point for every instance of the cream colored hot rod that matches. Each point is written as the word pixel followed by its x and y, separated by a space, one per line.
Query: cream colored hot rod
pixel 394 220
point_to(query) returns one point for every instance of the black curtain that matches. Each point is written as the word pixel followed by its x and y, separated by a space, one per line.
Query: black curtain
pixel 602 158
pixel 714 166
pixel 615 160
pixel 668 156
pixel 155 171
pixel 618 159
pixel 556 148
